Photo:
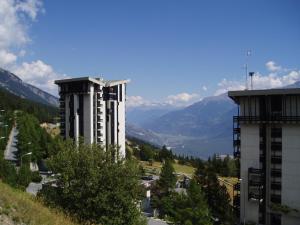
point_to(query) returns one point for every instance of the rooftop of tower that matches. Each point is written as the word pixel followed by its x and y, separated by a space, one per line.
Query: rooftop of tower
pixel 266 92
pixel 99 81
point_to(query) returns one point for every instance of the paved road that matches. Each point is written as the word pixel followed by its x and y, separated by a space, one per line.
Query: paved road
pixel 11 148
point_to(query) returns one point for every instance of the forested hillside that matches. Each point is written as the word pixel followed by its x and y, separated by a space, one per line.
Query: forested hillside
pixel 10 102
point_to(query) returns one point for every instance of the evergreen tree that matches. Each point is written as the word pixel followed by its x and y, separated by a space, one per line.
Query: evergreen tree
pixel 167 179
pixel 194 209
pixel 217 197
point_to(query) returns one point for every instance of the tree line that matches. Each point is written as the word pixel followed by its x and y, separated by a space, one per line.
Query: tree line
pixel 204 202
pixel 226 167
pixel 31 138
pixel 42 112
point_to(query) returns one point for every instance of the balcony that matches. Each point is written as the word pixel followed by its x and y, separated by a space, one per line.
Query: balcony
pixel 276 185
pixel 276 146
pixel 268 119
pixel 262 146
pixel 276 198
pixel 236 201
pixel 276 133
pixel 236 143
pixel 254 196
pixel 237 153
pixel 276 172
pixel 237 187
pixel 254 171
pixel 237 130
pixel 262 158
pixel 255 183
pixel 276 159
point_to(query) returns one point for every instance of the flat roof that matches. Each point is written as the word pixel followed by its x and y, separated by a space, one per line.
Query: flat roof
pixel 115 82
pixel 284 91
pixel 99 81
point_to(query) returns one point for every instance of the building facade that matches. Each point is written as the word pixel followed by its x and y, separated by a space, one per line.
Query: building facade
pixel 93 109
pixel 266 139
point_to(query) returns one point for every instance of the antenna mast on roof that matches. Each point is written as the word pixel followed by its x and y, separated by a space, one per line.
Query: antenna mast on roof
pixel 248 53
pixel 251 79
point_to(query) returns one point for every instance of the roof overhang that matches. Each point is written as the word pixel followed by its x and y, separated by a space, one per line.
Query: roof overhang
pixel 93 80
pixel 235 95
pixel 107 83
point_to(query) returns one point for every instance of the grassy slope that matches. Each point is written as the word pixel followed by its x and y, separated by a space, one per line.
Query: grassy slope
pixel 156 166
pixel 19 207
pixel 229 182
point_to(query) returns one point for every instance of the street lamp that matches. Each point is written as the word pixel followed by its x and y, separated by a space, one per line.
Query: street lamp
pixel 244 200
pixel 29 153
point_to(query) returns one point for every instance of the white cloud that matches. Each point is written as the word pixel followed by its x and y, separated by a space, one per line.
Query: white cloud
pixel 178 100
pixel 272 80
pixel 182 99
pixel 227 85
pixel 39 74
pixel 15 19
pixel 204 88
pixel 271 66
pixel 30 7
pixel 22 53
pixel 136 101
pixel 7 58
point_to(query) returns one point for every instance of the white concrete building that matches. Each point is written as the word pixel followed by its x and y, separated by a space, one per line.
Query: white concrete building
pixel 93 109
pixel 267 142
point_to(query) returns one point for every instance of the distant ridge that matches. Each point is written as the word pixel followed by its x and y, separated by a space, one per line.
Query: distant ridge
pixel 16 86
pixel 200 129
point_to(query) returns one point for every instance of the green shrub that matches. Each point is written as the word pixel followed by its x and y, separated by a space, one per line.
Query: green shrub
pixel 36 177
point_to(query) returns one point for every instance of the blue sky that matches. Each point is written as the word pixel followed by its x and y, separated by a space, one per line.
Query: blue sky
pixel 165 47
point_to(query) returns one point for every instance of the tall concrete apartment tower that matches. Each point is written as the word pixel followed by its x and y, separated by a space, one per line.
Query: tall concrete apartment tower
pixel 93 109
pixel 267 141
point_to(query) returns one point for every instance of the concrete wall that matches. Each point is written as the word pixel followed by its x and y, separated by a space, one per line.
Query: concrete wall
pixel 249 158
pixel 291 171
pixel 88 116
pixel 90 121
pixel 121 126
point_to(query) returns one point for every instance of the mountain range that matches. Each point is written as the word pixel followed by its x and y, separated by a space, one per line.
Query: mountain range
pixel 200 129
pixel 16 86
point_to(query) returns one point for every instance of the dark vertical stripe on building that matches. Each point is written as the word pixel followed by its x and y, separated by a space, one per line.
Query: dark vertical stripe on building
pixel 80 114
pixel 121 92
pixel 112 122
pixel 71 116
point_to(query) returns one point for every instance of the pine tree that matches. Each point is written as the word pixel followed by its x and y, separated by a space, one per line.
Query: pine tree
pixel 167 178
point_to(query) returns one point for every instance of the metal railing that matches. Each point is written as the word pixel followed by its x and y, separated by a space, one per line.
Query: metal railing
pixel 266 118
